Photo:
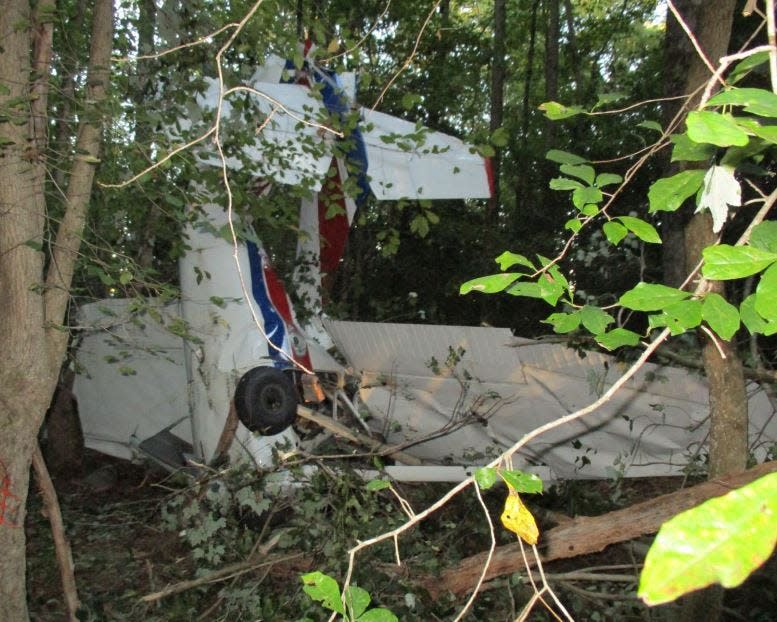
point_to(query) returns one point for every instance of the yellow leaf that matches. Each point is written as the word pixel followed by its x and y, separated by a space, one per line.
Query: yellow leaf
pixel 517 518
pixel 333 46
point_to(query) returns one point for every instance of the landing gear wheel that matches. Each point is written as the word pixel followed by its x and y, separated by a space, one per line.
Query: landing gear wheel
pixel 266 400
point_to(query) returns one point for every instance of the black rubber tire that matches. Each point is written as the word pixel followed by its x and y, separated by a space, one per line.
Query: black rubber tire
pixel 266 400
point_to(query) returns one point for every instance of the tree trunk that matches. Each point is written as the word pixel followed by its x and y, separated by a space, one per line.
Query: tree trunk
pixel 498 68
pixel 33 305
pixel 711 24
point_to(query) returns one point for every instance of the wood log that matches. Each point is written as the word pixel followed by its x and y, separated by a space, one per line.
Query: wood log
pixel 590 534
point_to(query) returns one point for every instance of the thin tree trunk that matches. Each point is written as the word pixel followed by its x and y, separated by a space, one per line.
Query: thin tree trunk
pixel 498 69
pixel 33 306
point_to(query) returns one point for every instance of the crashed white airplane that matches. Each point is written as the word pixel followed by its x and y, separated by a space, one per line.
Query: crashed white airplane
pixel 448 395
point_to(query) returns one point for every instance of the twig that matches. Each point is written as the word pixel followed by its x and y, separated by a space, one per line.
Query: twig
pixel 61 544
pixel 693 40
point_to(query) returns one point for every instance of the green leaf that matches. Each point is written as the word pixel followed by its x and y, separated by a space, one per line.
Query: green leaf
pixel 508 260
pixel 573 225
pixel 581 171
pixel 685 150
pixel 678 317
pixel 715 128
pixel 720 541
pixel 500 137
pixel 357 600
pixel 377 484
pixel 323 588
pixel 607 179
pixel 409 100
pixel 379 614
pixel 752 320
pixel 555 111
pixel 767 132
pixel 590 210
pixel 582 196
pixel 563 322
pixel 651 297
pixel 550 289
pixel 564 157
pixel 756 101
pixel 614 232
pixel 724 262
pixel 744 67
pixel 125 278
pixel 643 230
pixel 766 294
pixel 608 98
pixel 616 338
pixel 669 193
pixel 530 290
pixel 722 316
pixel 487 151
pixel 485 477
pixel 564 183
pixel 651 125
pixel 764 236
pixel 521 481
pixel 490 284
pixel 595 319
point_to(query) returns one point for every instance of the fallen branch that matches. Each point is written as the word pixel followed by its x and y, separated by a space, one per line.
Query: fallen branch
pixel 222 574
pixel 355 437
pixel 61 544
pixel 591 534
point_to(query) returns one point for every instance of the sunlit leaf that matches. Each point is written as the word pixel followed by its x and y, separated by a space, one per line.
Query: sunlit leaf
pixel 489 284
pixel 723 262
pixel 651 297
pixel 720 541
pixel 686 150
pixel 669 193
pixel 755 101
pixel 744 67
pixel 573 225
pixel 323 588
pixel 555 111
pixel 679 317
pixel 377 484
pixel 357 600
pixel 583 196
pixel 642 229
pixel 715 128
pixel 508 260
pixel 753 320
pixel 614 232
pixel 607 179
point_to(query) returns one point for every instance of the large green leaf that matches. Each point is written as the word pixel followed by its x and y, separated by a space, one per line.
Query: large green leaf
pixel 753 320
pixel 766 294
pixel 756 101
pixel 563 322
pixel 722 316
pixel 685 150
pixel 643 230
pixel 555 111
pixel 507 260
pixel 564 157
pixel 651 297
pixel 723 262
pixel 522 481
pixel 581 171
pixel 679 317
pixel 716 129
pixel 490 284
pixel 323 588
pixel 764 236
pixel 669 193
pixel 614 232
pixel 595 319
pixel 583 196
pixel 617 337
pixel 357 600
pixel 720 541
